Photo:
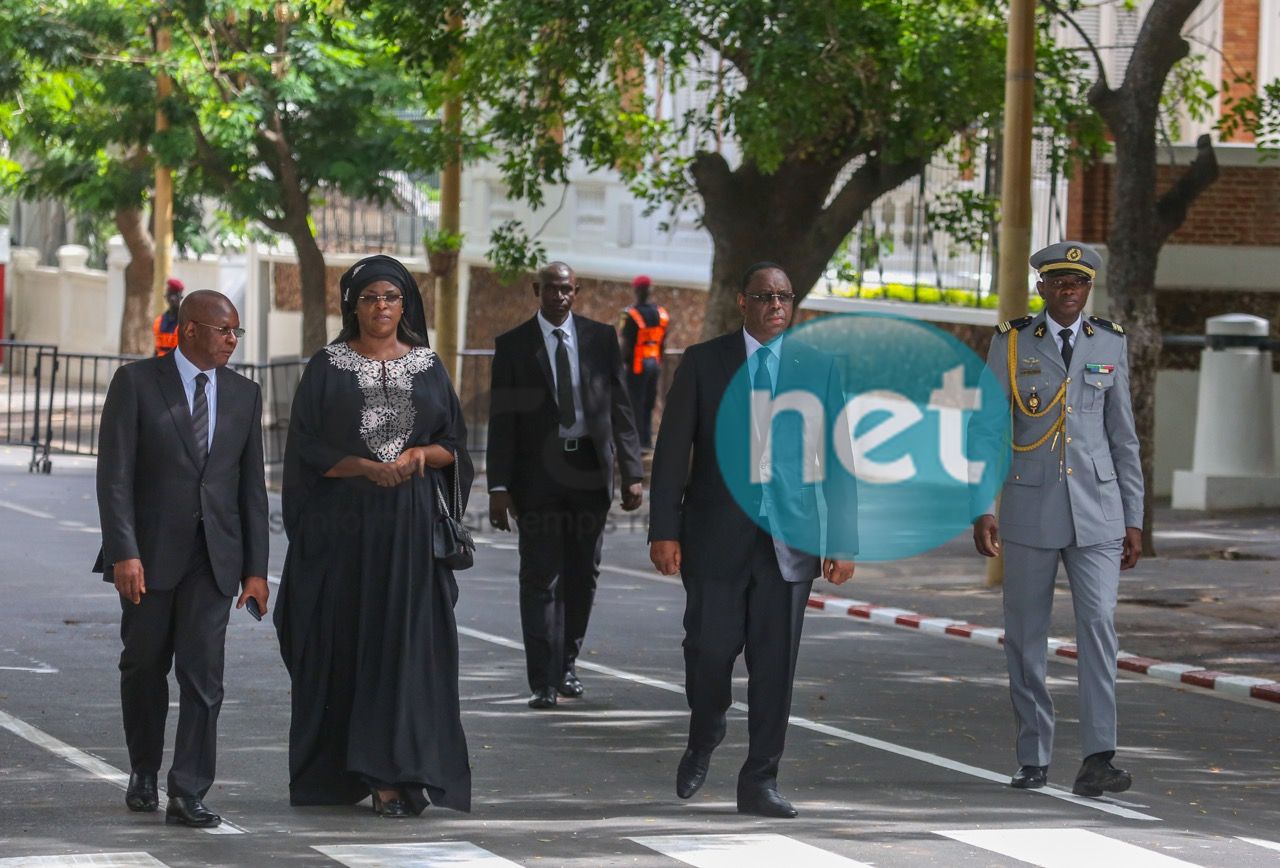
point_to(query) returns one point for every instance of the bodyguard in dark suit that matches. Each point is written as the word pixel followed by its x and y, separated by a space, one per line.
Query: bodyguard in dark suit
pixel 745 586
pixel 559 422
pixel 183 506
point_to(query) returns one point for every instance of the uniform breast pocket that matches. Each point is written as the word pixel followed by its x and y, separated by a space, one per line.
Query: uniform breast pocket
pixel 1020 502
pixel 1096 388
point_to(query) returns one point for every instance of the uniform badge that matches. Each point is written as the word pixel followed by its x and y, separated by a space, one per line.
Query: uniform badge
pixel 1033 401
pixel 1092 368
pixel 1030 365
pixel 1074 254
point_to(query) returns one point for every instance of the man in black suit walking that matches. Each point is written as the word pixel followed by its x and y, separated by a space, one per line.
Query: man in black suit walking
pixel 559 421
pixel 183 505
pixel 747 561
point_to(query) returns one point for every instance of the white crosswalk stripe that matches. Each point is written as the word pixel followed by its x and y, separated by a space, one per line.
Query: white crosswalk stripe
pixel 1064 848
pixel 441 854
pixel 97 860
pixel 1258 842
pixel 744 851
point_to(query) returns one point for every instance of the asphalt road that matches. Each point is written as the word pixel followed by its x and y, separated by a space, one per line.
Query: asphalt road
pixel 898 755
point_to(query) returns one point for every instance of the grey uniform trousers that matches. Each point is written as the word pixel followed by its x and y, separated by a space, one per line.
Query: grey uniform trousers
pixel 1094 576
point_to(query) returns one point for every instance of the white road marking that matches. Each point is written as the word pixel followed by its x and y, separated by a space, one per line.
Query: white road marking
pixel 744 851
pixel 1064 848
pixel 1105 806
pixel 98 860
pixel 25 510
pixel 40 667
pixel 435 855
pixel 94 766
pixel 1258 842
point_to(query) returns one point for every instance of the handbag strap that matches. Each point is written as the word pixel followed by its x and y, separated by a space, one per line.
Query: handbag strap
pixel 457 494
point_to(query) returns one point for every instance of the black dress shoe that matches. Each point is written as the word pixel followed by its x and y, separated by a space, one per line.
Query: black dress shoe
pixel 184 811
pixel 141 794
pixel 390 809
pixel 543 697
pixel 1097 776
pixel 765 803
pixel 1030 778
pixel 691 774
pixel 570 686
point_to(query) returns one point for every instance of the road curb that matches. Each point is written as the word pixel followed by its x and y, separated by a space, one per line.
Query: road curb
pixel 1225 683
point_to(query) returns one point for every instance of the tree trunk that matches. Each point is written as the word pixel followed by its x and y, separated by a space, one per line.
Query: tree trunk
pixel 1143 219
pixel 136 337
pixel 787 217
pixel 311 268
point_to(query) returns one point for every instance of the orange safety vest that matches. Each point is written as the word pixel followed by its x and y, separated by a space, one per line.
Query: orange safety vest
pixel 166 342
pixel 648 338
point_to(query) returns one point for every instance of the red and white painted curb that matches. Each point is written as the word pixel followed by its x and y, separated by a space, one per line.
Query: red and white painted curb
pixel 1239 686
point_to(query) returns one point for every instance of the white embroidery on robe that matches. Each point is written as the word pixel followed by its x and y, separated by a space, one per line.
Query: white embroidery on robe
pixel 388 415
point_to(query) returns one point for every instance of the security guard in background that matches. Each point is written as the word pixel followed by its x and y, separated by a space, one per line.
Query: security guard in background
pixel 1073 493
pixel 644 337
pixel 166 325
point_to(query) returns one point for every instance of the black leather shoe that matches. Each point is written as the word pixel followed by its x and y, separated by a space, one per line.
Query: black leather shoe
pixel 691 774
pixel 570 686
pixel 141 794
pixel 391 809
pixel 1030 778
pixel 765 803
pixel 185 811
pixel 1097 776
pixel 543 697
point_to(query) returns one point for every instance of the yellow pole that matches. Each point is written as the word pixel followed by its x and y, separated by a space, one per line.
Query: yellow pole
pixel 162 206
pixel 1015 179
pixel 446 318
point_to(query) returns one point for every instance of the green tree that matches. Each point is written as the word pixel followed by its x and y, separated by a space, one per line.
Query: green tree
pixel 807 111
pixel 77 105
pixel 277 104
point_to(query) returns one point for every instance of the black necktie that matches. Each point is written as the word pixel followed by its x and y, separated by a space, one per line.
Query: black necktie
pixel 200 420
pixel 1065 334
pixel 564 381
pixel 762 382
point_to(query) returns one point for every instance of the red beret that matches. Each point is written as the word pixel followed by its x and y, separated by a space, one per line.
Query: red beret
pixel 174 285
pixel 641 280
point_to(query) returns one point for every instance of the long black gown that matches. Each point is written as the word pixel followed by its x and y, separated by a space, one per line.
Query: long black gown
pixel 365 616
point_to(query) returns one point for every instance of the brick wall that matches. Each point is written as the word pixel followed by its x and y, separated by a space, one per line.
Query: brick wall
pixel 1240 26
pixel 494 307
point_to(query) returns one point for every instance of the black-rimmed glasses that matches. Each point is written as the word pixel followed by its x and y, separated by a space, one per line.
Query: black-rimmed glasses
pixel 225 331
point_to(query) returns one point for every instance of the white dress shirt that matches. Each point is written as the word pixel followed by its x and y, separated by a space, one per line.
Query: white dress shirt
pixel 1056 327
pixel 579 427
pixel 187 371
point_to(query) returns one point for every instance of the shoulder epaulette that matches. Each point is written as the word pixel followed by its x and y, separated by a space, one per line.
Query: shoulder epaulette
pixel 1010 325
pixel 1107 324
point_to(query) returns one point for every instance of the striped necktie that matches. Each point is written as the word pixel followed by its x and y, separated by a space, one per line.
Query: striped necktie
pixel 200 420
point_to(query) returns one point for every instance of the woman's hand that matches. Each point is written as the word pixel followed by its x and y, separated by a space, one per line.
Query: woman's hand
pixel 437 457
pixel 412 462
pixel 386 475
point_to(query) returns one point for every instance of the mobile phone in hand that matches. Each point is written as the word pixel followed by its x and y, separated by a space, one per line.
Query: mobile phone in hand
pixel 253 609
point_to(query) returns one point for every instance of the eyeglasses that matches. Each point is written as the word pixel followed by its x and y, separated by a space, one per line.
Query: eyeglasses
pixel 771 297
pixel 391 299
pixel 225 331
pixel 1076 282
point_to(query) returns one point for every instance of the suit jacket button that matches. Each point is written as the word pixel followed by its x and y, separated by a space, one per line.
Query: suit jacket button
pixel 196 516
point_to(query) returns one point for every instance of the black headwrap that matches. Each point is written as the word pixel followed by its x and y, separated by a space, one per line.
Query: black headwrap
pixel 370 270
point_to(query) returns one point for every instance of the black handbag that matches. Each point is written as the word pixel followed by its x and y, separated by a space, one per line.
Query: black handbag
pixel 451 542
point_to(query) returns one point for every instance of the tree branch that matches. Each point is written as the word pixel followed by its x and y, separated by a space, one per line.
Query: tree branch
pixel 1093 49
pixel 1172 207
pixel 873 180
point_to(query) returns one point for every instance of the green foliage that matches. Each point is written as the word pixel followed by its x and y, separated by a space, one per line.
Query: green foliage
pixel 276 112
pixel 442 241
pixel 512 252
pixel 1257 112
pixel 927 294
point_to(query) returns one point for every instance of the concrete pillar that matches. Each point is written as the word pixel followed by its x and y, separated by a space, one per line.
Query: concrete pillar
pixel 1234 462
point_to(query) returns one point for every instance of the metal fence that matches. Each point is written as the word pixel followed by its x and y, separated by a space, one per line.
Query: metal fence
pixel 51 401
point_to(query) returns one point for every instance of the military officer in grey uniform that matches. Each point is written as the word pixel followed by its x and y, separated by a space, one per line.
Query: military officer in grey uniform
pixel 1073 493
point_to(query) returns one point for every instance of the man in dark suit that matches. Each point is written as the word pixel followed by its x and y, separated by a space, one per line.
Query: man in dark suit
pixel 747 549
pixel 183 505
pixel 559 421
